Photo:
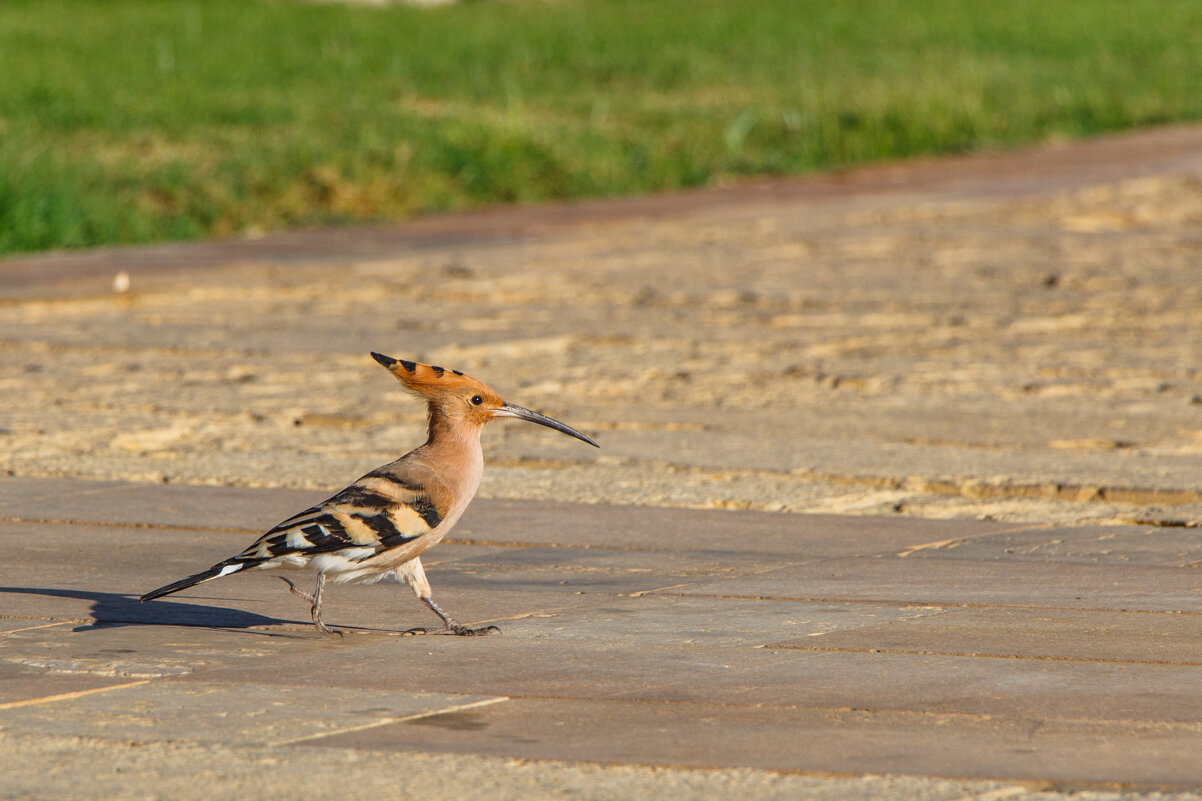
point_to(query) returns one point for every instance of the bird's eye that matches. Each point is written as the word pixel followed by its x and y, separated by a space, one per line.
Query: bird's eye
pixel 477 400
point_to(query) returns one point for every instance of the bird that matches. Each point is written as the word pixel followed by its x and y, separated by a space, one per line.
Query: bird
pixel 379 526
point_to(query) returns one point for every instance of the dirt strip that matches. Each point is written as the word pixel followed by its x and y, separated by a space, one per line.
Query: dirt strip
pixel 1011 336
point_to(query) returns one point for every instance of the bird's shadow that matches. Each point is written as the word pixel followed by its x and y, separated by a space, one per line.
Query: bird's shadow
pixel 110 610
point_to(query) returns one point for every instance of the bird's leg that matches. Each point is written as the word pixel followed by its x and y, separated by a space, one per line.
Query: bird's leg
pixel 322 627
pixel 449 626
pixel 314 600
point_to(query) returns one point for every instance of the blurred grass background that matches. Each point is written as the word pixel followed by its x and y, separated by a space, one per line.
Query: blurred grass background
pixel 139 120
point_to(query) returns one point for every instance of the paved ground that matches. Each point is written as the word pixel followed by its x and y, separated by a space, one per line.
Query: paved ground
pixel 986 367
pixel 765 649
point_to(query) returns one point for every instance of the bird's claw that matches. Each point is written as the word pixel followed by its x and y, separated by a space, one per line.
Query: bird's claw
pixel 464 631
pixel 299 593
pixel 455 629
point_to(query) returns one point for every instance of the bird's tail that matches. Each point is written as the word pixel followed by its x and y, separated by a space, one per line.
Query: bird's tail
pixel 216 571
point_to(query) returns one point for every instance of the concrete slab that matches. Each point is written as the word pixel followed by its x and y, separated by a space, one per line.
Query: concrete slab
pixel 806 740
pixel 525 665
pixel 953 582
pixel 1092 635
pixel 242 714
pixel 27 685
pixel 139 504
pixel 1113 545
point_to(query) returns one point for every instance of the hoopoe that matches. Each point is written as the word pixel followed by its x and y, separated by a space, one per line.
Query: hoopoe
pixel 380 525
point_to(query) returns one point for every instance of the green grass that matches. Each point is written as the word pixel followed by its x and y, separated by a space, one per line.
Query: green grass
pixel 138 120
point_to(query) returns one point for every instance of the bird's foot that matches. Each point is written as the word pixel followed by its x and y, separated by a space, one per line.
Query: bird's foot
pixel 465 631
pixel 326 630
pixel 314 608
pixel 450 626
pixel 457 629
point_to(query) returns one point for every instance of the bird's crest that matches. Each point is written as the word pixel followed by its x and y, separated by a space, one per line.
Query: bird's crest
pixel 429 380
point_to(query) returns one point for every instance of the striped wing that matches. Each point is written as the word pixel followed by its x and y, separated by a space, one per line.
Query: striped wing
pixel 369 517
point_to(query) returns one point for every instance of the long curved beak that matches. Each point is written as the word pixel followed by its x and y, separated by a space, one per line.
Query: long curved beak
pixel 512 410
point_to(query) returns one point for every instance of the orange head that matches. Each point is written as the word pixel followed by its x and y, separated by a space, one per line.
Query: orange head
pixel 460 398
